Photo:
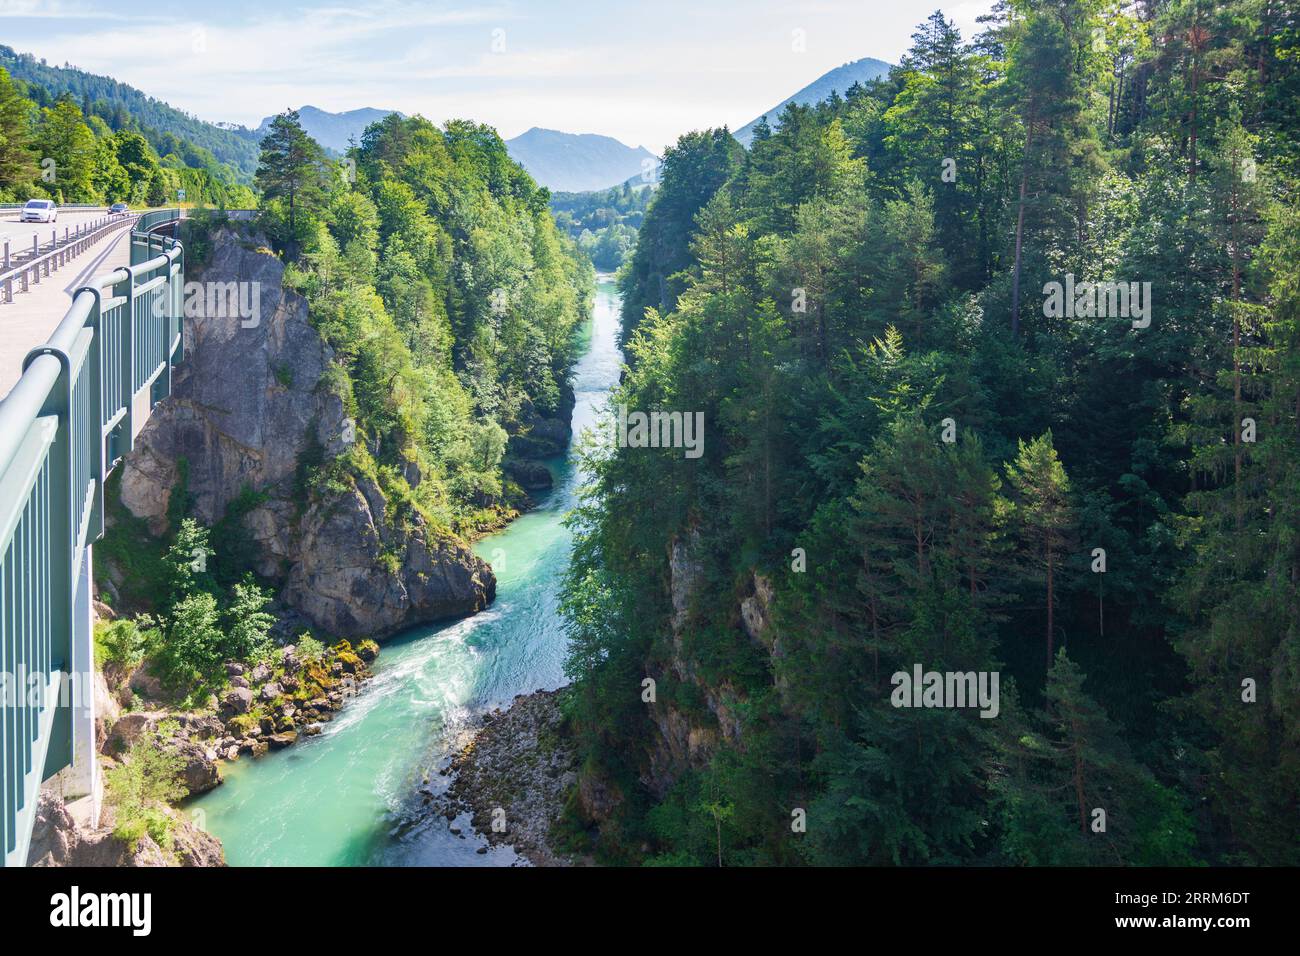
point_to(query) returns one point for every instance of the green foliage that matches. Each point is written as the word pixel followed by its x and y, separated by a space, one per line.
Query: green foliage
pixel 190 654
pixel 924 465
pixel 186 561
pixel 17 156
pixel 142 786
pixel 449 297
pixel 291 175
pixel 247 623
pixel 172 134
pixel 92 151
pixel 691 172
pixel 123 642
pixel 604 224
pixel 309 649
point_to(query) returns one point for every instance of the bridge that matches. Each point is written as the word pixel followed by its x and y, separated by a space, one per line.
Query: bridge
pixel 77 403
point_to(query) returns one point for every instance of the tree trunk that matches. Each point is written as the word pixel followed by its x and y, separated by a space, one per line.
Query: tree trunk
pixel 1078 781
pixel 1015 271
pixel 1236 359
pixel 1051 557
pixel 1020 228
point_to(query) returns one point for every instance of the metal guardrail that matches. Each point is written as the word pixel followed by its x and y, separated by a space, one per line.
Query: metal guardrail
pixel 62 205
pixel 26 265
pixel 76 409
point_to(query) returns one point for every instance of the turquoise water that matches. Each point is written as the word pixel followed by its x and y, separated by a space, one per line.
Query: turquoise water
pixel 349 797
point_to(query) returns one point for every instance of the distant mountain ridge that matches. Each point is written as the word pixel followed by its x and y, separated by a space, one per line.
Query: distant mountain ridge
pixel 333 130
pixel 836 81
pixel 576 162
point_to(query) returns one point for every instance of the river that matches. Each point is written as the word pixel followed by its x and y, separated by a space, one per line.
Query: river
pixel 349 796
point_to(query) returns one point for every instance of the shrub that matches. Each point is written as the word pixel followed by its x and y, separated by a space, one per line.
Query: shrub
pixel 124 641
pixel 142 787
pixel 191 651
pixel 309 649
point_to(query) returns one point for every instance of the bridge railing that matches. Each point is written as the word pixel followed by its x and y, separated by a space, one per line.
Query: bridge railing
pixel 27 265
pixel 82 398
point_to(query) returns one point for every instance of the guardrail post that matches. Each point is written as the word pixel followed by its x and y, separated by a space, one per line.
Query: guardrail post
pixel 179 354
pixel 95 362
pixel 126 435
pixel 61 545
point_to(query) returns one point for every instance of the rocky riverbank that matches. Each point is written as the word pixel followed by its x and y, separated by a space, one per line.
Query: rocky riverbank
pixel 515 776
pixel 265 706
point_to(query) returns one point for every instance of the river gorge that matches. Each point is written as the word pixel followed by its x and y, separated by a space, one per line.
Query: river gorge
pixel 350 796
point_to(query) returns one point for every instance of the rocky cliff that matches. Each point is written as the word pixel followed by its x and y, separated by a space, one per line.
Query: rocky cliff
pixel 682 740
pixel 250 405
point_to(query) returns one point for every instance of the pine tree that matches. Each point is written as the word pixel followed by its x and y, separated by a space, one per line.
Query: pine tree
pixel 291 168
pixel 1059 158
pixel 1242 590
pixel 1044 514
pixel 1072 792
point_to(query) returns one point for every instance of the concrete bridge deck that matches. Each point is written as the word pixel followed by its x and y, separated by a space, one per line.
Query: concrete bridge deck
pixel 28 321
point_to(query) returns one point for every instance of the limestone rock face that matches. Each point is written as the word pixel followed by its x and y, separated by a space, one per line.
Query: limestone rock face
pixel 244 403
pixel 754 611
pixel 247 405
pixel 531 475
pixel 338 584
pixel 686 569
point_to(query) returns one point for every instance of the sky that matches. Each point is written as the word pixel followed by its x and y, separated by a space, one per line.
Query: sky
pixel 643 72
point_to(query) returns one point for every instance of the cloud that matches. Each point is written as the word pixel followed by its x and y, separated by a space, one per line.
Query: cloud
pixel 57 10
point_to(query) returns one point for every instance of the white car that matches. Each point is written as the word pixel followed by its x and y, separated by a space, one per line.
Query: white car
pixel 40 210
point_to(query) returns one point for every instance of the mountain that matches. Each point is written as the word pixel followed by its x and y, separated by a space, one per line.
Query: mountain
pixel 333 130
pixel 576 162
pixel 118 105
pixel 836 81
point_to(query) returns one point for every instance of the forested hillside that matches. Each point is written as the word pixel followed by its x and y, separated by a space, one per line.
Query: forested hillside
pixel 931 440
pixel 169 131
pixel 439 277
pixel 443 306
pixel 603 223
pixel 51 147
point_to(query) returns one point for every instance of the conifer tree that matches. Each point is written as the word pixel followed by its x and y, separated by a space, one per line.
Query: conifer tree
pixel 292 169
pixel 1044 515
pixel 17 162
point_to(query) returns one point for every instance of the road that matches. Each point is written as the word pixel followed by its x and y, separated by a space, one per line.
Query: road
pixel 20 233
pixel 32 316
